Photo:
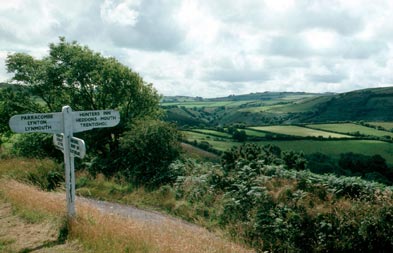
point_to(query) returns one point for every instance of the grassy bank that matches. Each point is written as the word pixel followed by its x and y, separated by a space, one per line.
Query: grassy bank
pixel 99 232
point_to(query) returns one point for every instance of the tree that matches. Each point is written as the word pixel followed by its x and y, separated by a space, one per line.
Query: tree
pixel 76 76
pixel 14 100
pixel 240 136
pixel 148 149
pixel 294 160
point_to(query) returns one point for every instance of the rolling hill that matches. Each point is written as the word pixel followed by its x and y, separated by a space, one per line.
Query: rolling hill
pixel 374 104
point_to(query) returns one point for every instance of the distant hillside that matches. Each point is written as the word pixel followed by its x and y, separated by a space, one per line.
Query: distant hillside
pixel 368 104
pixel 194 111
pixel 282 107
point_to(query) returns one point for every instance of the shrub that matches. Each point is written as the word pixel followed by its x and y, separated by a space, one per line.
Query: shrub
pixel 148 149
pixel 36 145
pixel 47 175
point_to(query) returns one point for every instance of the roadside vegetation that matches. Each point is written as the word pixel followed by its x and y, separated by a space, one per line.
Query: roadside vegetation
pixel 312 184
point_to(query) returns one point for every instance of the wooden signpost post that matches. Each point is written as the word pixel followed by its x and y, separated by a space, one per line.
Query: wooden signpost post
pixel 63 124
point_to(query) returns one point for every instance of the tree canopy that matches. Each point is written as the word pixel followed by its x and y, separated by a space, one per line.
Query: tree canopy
pixel 75 75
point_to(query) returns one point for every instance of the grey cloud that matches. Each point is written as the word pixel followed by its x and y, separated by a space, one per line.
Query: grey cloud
pixel 237 75
pixel 358 49
pixel 155 29
pixel 307 14
pixel 338 20
pixel 290 46
pixel 327 78
pixel 346 47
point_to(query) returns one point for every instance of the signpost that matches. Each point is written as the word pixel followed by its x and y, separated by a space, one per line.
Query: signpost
pixel 37 122
pixel 63 124
pixel 77 147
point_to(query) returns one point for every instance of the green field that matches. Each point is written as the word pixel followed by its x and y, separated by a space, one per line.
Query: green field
pixel 336 147
pixel 329 147
pixel 213 132
pixel 299 131
pixel 387 125
pixel 217 143
pixel 350 128
pixel 200 104
pixel 306 104
pixel 254 133
pixel 263 108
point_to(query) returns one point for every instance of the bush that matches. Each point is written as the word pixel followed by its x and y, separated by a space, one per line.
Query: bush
pixel 47 175
pixel 36 145
pixel 148 149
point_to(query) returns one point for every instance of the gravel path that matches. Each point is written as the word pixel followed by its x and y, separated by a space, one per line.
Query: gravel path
pixel 132 212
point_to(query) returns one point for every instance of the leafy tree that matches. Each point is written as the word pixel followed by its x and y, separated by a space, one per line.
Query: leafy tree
pixel 148 149
pixel 294 160
pixel 76 76
pixel 36 145
pixel 240 136
pixel 14 100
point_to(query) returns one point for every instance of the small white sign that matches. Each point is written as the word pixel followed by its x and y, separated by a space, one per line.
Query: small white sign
pixel 65 123
pixel 77 146
pixel 37 122
pixel 86 120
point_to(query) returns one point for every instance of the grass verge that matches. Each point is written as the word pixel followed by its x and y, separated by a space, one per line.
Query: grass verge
pixel 100 232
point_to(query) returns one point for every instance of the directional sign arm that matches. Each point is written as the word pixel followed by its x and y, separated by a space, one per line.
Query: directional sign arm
pixel 87 120
pixel 37 122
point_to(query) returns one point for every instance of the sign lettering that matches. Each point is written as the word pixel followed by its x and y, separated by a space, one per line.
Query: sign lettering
pixel 77 146
pixel 86 120
pixel 36 122
pixel 61 124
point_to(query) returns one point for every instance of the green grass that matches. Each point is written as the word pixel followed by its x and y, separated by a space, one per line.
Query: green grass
pixel 218 144
pixel 387 125
pixel 213 133
pixel 28 215
pixel 336 147
pixel 299 131
pixel 207 103
pixel 329 147
pixel 306 104
pixel 350 128
pixel 254 133
pixel 263 108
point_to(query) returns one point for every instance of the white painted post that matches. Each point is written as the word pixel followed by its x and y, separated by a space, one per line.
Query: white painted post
pixel 69 161
pixel 66 122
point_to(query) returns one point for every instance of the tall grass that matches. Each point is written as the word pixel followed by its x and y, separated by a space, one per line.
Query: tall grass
pixel 102 232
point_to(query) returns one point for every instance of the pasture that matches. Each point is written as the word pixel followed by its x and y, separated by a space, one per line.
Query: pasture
pixel 336 147
pixel 213 133
pixel 351 128
pixel 299 131
pixel 254 133
pixel 387 125
pixel 331 147
pixel 207 104
pixel 220 144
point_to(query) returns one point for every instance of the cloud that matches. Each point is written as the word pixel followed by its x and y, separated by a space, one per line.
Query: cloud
pixel 146 25
pixel 237 75
pixel 221 47
pixel 326 78
pixel 3 72
pixel 121 13
pixel 289 46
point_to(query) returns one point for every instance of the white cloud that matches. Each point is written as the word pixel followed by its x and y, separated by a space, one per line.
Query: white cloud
pixel 221 47
pixel 3 72
pixel 121 13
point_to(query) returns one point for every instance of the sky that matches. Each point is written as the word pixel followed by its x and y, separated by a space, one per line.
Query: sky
pixel 214 48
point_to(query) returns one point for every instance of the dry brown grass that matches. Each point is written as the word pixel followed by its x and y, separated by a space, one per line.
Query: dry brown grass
pixel 110 233
pixel 17 166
